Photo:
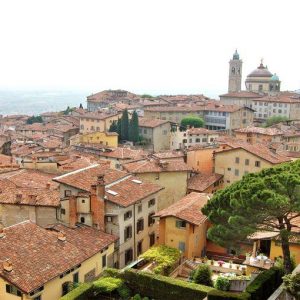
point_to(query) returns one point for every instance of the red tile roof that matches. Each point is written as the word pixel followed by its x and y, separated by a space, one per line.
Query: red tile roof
pixel 98 116
pixel 170 154
pixel 192 131
pixel 285 97
pixel 151 123
pixel 37 256
pixel 188 209
pixel 200 182
pixel 260 130
pixel 241 94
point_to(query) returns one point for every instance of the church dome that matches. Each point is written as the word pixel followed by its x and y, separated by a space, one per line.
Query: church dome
pixel 261 71
pixel 236 56
pixel 275 77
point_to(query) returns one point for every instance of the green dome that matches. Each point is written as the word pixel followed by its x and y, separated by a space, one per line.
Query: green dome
pixel 275 77
pixel 236 55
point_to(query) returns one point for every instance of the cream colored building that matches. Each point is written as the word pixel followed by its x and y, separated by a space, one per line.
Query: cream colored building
pixel 38 263
pixel 123 206
pixel 109 139
pixel 236 162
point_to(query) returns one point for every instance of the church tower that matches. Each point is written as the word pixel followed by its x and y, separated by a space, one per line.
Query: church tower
pixel 235 73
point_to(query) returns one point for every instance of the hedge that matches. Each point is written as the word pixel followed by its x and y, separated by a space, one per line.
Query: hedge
pixel 79 293
pixel 162 287
pixel 265 284
pixel 221 295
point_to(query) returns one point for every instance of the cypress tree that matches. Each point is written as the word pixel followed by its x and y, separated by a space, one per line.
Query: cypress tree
pixel 119 129
pixel 134 125
pixel 124 125
pixel 113 127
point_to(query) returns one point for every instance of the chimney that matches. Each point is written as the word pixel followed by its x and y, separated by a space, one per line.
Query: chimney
pixel 61 236
pixel 97 203
pixel 48 184
pixel 72 211
pixel 7 265
pixel 163 164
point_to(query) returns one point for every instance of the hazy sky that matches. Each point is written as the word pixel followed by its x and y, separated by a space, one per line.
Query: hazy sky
pixel 156 46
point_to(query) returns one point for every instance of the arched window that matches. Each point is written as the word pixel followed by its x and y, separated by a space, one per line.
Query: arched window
pixel 233 70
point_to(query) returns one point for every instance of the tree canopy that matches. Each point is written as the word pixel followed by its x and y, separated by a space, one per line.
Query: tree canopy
pixel 275 120
pixel 265 201
pixel 192 121
pixel 34 119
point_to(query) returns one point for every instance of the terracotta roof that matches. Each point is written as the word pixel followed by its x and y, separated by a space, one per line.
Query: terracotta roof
pixel 83 179
pixel 200 182
pixel 44 257
pixel 155 165
pixel 151 123
pixel 259 150
pixel 98 116
pixel 260 130
pixel 188 209
pixel 131 190
pixel 224 107
pixel 192 131
pixel 170 154
pixel 241 94
pixel 124 153
pixel 284 97
pixel 108 95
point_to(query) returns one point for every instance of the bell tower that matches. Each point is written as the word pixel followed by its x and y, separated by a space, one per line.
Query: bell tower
pixel 235 73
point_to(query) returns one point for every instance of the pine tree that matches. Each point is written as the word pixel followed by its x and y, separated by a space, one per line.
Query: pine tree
pixel 124 125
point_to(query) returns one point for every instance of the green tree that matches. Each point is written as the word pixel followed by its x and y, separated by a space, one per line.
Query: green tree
pixel 80 106
pixel 192 121
pixel 124 125
pixel 119 129
pixel 134 128
pixel 113 127
pixel 67 111
pixel 34 119
pixel 203 275
pixel 275 120
pixel 265 201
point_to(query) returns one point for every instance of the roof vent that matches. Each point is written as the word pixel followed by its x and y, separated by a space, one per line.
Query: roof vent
pixel 61 236
pixel 7 265
pixel 112 192
pixel 136 181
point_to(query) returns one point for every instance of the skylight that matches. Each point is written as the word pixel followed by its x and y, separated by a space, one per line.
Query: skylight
pixel 136 181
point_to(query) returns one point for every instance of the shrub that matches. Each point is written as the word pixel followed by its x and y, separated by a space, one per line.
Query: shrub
pixel 162 287
pixel 164 256
pixel 222 283
pixel 221 295
pixel 292 284
pixel 137 297
pixel 264 284
pixel 193 121
pixel 203 275
pixel 79 293
pixel 107 285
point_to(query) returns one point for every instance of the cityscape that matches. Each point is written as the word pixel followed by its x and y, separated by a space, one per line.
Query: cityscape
pixel 121 180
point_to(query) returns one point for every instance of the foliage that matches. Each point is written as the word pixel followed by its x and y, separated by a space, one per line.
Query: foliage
pixel 221 295
pixel 113 127
pixel 162 287
pixel 107 285
pixel 137 297
pixel 79 293
pixel 146 96
pixel 124 125
pixel 222 283
pixel 34 119
pixel 68 110
pixel 203 275
pixel 264 284
pixel 274 120
pixel 192 121
pixel 164 256
pixel 292 284
pixel 134 128
pixel 267 200
pixel 279 263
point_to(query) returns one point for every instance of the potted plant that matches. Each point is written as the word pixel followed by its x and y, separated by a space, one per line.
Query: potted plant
pixel 221 263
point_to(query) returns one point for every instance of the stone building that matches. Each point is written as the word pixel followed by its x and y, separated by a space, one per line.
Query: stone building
pixel 235 73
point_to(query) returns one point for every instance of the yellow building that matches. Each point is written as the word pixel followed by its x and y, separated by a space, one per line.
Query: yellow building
pixel 38 263
pixel 109 139
pixel 91 122
pixel 236 162
pixel 183 226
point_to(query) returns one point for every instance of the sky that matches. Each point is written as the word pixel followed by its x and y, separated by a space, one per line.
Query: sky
pixel 155 47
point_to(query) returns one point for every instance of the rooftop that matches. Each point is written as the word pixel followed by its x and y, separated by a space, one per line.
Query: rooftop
pixel 151 123
pixel 260 130
pixel 187 209
pixel 200 182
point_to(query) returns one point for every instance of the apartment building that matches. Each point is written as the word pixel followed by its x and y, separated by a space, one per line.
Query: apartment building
pixel 112 201
pixel 39 263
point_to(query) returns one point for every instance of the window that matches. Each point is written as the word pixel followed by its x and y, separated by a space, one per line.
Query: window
pixel 128 256
pixel 127 232
pixel 104 261
pixel 13 290
pixel 190 140
pixel 98 128
pixel 257 163
pixel 83 201
pixel 181 246
pixel 68 193
pixel 237 160
pixel 82 219
pixel 184 141
pixel 197 140
pixel 62 211
pixel 140 248
pixel 92 128
pixel 279 111
pixel 204 140
pixel 65 288
pixel 152 239
pixel 165 132
pixel 151 220
pixel 228 169
pixel 151 202
pixel 127 215
pixel 236 172
pixel 81 127
pixel 145 131
pixel 260 87
pixel 140 208
pixel 140 225
pixel 76 277
pixel 247 162
pixel 180 224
